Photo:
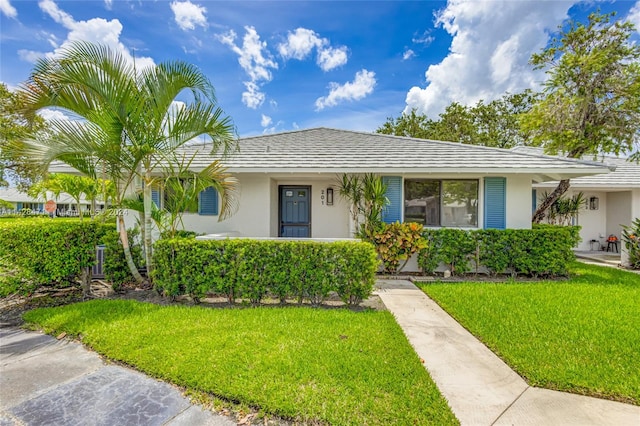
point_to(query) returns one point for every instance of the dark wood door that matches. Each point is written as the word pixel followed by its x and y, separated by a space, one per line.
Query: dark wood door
pixel 295 211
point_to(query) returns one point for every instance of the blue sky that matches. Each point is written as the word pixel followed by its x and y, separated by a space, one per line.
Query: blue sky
pixel 283 65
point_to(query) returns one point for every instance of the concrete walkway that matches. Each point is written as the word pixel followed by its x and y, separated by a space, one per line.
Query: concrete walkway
pixel 44 381
pixel 480 387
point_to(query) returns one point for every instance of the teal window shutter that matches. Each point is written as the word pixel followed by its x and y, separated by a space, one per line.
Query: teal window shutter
pixel 18 206
pixel 534 196
pixel 208 202
pixel 155 197
pixel 495 203
pixel 393 212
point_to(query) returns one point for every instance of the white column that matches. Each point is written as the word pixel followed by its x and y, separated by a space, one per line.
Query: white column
pixel 635 213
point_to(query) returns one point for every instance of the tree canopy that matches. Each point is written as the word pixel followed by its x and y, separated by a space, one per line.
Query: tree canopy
pixel 15 126
pixel 590 104
pixel 495 123
pixel 130 122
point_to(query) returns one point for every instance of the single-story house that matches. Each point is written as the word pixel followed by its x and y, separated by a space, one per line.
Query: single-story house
pixel 21 202
pixel 288 183
pixel 612 200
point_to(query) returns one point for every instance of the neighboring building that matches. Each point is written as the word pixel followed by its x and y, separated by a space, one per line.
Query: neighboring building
pixel 22 202
pixel 288 183
pixel 612 200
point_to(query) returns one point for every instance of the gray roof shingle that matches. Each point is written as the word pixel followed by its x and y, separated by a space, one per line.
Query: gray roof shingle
pixel 330 150
pixel 625 175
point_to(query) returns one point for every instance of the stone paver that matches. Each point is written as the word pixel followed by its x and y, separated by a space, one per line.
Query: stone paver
pixel 480 388
pixel 48 382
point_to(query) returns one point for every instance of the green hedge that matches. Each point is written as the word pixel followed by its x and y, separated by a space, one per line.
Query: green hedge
pixel 44 251
pixel 544 251
pixel 115 267
pixel 251 269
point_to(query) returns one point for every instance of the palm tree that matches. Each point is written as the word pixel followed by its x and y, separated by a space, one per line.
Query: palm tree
pixel 128 121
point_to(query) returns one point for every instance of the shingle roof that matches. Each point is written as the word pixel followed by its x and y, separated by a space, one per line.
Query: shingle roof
pixel 626 174
pixel 330 150
pixel 15 196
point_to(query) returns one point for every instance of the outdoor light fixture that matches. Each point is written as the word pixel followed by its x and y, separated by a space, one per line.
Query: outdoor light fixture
pixel 594 203
pixel 329 196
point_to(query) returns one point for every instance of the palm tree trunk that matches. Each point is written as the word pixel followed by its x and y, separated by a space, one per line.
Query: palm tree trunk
pixel 85 280
pixel 124 239
pixel 148 223
pixel 541 211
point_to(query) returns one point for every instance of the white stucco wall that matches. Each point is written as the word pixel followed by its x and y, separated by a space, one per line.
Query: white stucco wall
pixel 326 221
pixel 258 199
pixel 257 214
pixel 618 211
pixel 593 223
pixel 518 202
pixel 635 213
pixel 252 217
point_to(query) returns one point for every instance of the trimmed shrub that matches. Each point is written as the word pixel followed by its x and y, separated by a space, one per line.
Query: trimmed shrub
pixel 544 251
pixel 115 265
pixel 251 269
pixel 453 247
pixel 47 251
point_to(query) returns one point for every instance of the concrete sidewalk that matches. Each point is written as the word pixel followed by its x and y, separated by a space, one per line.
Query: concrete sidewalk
pixel 48 382
pixel 480 387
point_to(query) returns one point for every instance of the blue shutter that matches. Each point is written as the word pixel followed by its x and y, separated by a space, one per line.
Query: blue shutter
pixel 208 202
pixel 393 212
pixel 155 197
pixel 18 206
pixel 495 211
pixel 534 196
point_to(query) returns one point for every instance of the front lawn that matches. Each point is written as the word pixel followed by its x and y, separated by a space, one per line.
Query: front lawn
pixel 581 335
pixel 332 366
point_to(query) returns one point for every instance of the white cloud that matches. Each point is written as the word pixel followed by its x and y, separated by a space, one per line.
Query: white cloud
pixel 301 42
pixel 252 97
pixel 265 121
pixel 634 16
pixel 96 30
pixel 277 127
pixel 8 10
pixel 108 4
pixel 361 86
pixel 484 64
pixel 30 56
pixel 188 15
pixel 53 114
pixel 425 38
pixel 408 54
pixel 255 60
pixel 331 58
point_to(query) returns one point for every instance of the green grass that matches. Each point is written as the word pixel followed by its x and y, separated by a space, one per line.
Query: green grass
pixel 581 335
pixel 334 366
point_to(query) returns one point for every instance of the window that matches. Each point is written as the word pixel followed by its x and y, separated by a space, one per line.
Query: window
pixel 178 195
pixel 441 202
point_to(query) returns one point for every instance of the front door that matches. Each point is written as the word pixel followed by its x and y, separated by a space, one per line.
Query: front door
pixel 295 211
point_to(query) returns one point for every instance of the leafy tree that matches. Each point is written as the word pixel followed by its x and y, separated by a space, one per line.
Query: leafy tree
pixel 411 124
pixel 495 124
pixel 76 187
pixel 591 99
pixel 130 122
pixel 182 189
pixel 15 126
